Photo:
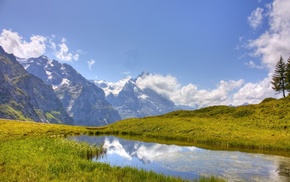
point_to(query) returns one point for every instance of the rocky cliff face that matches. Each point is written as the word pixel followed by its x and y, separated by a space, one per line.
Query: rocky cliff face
pixel 25 96
pixel 132 101
pixel 83 100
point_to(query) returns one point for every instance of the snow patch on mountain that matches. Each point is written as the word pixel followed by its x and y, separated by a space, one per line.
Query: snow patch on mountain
pixel 65 82
pixel 143 96
pixel 83 100
pixel 130 100
pixel 111 87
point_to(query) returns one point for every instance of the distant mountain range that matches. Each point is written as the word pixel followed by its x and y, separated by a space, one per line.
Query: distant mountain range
pixel 132 101
pixel 45 90
pixel 83 100
pixel 24 96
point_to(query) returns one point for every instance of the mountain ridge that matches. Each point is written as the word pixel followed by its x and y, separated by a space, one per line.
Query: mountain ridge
pixel 132 101
pixel 25 96
pixel 83 100
pixel 98 102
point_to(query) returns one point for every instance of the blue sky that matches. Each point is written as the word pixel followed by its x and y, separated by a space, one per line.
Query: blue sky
pixel 200 44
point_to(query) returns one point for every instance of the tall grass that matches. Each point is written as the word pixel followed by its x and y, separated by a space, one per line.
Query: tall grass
pixel 36 152
pixel 43 159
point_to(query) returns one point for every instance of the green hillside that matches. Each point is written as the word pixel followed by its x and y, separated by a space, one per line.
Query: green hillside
pixel 264 126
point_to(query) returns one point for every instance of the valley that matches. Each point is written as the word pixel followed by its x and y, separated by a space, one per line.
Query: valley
pixel 149 91
pixel 254 128
pixel 41 103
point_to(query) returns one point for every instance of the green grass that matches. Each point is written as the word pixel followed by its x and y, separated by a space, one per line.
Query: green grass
pixel 32 151
pixel 10 130
pixel 265 126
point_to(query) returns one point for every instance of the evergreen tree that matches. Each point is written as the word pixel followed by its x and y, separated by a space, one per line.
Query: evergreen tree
pixel 287 86
pixel 279 77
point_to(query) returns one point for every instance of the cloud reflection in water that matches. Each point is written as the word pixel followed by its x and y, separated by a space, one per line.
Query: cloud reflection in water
pixel 191 162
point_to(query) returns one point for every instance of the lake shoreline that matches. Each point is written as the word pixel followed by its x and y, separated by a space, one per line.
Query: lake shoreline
pixel 31 151
pixel 188 162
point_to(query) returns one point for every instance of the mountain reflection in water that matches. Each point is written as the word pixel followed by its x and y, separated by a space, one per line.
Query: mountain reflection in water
pixel 191 162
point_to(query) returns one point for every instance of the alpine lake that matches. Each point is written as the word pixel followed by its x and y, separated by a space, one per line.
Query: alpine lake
pixel 189 162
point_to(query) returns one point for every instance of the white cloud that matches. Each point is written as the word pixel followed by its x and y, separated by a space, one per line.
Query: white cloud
pixel 169 87
pixel 269 46
pixel 221 95
pixel 253 93
pixel 256 18
pixel 63 53
pixel 91 63
pixel 279 15
pixel 274 41
pixel 252 64
pixel 164 85
pixel 12 42
pixel 232 92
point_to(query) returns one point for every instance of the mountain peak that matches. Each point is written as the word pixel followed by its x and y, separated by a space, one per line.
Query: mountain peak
pixel 27 95
pixel 143 74
pixel 74 91
pixel 112 87
pixel 132 101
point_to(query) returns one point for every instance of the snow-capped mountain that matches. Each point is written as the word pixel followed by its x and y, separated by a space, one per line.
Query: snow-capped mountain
pixel 132 101
pixel 24 96
pixel 112 87
pixel 83 100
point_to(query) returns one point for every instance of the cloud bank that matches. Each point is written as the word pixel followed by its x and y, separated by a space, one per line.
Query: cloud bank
pixel 275 41
pixel 12 42
pixel 169 87
pixel 269 46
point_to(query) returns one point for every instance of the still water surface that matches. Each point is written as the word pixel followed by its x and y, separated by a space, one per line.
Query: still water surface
pixel 191 162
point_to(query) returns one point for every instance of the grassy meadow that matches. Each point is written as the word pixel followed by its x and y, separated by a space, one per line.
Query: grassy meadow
pixel 32 151
pixel 264 127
